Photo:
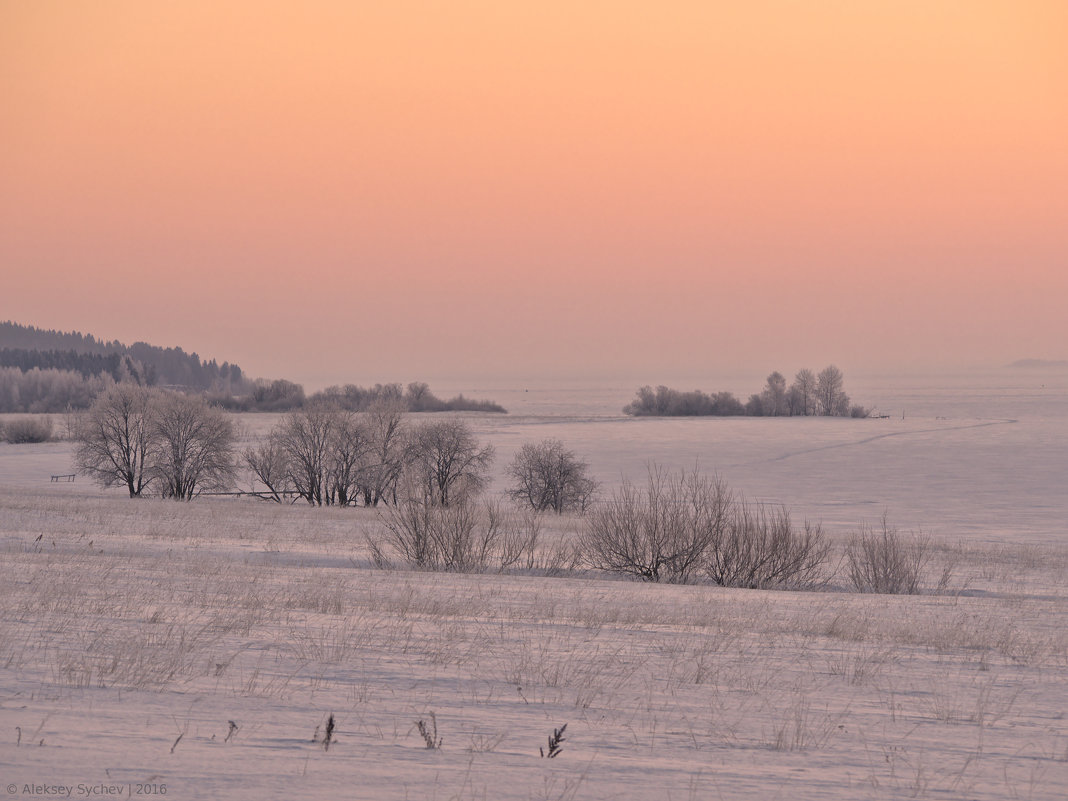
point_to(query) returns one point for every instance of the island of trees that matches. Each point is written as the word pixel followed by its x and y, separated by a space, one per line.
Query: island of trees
pixel 810 394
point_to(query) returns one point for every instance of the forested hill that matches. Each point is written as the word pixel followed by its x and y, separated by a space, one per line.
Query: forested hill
pixel 29 348
pixel 26 337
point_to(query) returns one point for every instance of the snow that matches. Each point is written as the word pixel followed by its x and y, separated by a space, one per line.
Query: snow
pixel 131 623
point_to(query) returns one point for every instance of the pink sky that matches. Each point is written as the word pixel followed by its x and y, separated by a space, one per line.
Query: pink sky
pixel 335 191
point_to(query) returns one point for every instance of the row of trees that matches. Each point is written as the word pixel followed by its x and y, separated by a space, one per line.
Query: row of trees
pixel 810 394
pixel 330 456
pixel 280 395
pixel 177 444
pixel 667 402
pixel 416 397
pixel 37 391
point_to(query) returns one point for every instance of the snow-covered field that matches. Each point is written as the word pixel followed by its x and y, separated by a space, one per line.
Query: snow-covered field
pixel 133 632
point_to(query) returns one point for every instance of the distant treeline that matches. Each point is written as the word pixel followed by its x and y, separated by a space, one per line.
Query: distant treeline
pixel 810 394
pixel 416 397
pixel 285 396
pixel 40 391
pixel 85 364
pixel 52 371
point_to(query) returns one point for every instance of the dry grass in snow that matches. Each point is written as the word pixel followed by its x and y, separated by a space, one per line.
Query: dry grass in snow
pixel 133 632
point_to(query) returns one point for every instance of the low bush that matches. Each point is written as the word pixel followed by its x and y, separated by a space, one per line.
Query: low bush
pixel 662 532
pixel 762 548
pixel 885 561
pixel 461 537
pixel 687 526
pixel 469 535
pixel 27 430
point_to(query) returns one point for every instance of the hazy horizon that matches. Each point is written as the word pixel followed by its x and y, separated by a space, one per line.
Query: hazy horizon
pixel 405 191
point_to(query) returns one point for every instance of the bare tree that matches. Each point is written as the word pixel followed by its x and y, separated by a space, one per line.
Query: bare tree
pixel 830 394
pixel 193 447
pixel 447 460
pixel 548 476
pixel 346 451
pixel 330 455
pixel 305 439
pixel 115 437
pixel 385 451
pixel 267 461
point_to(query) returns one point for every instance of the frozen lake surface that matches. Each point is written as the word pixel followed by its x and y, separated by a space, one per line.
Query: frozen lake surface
pixel 973 457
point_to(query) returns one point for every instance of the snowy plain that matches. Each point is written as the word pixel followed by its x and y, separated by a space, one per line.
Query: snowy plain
pixel 133 632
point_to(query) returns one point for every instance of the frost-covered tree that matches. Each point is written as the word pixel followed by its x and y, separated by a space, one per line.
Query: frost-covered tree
pixel 830 395
pixel 192 447
pixel 115 439
pixel 548 476
pixel 773 398
pixel 802 395
pixel 447 461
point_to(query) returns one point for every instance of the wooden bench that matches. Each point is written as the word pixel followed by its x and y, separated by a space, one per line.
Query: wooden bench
pixel 64 477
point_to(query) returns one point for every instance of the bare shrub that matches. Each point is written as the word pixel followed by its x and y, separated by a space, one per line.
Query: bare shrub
pixel 519 541
pixel 662 532
pixel 462 536
pixel 408 527
pixel 685 525
pixel 429 732
pixel 761 548
pixel 27 430
pixel 885 561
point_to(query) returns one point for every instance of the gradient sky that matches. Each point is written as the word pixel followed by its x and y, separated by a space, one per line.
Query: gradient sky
pixel 349 191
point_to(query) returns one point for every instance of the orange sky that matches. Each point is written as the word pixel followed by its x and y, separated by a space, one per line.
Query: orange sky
pixel 346 191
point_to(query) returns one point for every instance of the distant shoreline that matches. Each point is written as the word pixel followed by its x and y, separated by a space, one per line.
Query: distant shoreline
pixel 1031 364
